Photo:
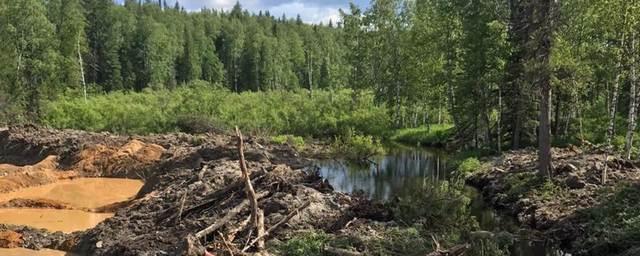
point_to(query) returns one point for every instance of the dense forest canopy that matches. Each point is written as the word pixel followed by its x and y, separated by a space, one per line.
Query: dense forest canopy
pixel 481 65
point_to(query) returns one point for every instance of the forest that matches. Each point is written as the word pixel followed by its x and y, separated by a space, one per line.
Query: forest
pixel 537 101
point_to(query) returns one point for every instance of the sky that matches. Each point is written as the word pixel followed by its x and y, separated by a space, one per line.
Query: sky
pixel 311 11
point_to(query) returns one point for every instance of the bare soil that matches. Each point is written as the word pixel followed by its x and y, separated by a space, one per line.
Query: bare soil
pixel 190 183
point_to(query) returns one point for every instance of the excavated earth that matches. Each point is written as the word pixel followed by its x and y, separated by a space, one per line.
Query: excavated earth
pixel 510 183
pixel 190 182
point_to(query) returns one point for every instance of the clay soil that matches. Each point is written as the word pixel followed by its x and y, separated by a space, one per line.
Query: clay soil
pixel 191 182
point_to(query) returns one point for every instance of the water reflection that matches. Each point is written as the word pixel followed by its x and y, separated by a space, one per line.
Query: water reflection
pixel 387 176
pixel 405 171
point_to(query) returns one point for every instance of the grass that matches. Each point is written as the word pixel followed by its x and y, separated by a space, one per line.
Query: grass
pixel 432 135
pixel 295 141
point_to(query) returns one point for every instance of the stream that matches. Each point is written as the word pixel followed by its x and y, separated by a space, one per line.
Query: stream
pixel 404 170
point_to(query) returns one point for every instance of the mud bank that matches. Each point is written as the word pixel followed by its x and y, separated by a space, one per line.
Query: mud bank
pixel 574 208
pixel 190 183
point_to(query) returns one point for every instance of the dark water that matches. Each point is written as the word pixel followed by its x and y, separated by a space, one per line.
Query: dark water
pixel 403 171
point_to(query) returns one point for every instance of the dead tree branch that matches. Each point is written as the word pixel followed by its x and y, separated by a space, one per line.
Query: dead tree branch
pixel 251 194
pixel 277 225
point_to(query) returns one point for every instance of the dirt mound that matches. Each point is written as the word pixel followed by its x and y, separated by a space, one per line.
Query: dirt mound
pixel 10 239
pixel 125 161
pixel 513 184
pixel 16 177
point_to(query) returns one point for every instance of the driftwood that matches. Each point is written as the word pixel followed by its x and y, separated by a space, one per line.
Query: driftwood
pixel 277 225
pixel 257 217
pixel 230 215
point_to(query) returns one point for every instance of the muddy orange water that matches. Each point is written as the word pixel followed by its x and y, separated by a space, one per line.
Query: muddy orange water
pixel 83 193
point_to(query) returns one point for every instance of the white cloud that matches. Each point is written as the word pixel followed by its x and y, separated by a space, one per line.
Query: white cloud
pixel 308 12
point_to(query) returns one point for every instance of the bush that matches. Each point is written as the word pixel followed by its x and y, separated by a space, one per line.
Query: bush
pixel 199 107
pixel 469 165
pixel 356 147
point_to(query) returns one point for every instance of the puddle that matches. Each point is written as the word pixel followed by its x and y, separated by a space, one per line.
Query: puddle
pixel 51 219
pixel 25 252
pixel 88 193
pixel 83 193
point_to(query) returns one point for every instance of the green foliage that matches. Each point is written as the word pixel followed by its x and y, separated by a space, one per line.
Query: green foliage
pixel 308 244
pixel 295 141
pixel 205 107
pixel 431 135
pixel 439 205
pixel 469 165
pixel 614 224
pixel 356 147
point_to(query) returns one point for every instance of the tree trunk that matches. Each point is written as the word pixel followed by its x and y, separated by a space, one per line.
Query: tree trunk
pixel 543 37
pixel 310 73
pixel 499 125
pixel 81 64
pixel 633 99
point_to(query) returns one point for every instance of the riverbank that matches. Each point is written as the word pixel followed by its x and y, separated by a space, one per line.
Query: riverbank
pixel 435 135
pixel 574 208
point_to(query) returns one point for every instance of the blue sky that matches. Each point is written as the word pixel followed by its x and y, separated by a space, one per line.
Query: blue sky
pixel 312 11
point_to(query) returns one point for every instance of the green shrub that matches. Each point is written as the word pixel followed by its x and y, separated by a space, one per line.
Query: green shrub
pixel 469 165
pixel 356 147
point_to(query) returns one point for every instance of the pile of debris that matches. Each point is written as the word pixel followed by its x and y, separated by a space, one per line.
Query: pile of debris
pixel 201 194
pixel 511 182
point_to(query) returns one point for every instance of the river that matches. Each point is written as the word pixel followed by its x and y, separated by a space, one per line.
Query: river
pixel 405 172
